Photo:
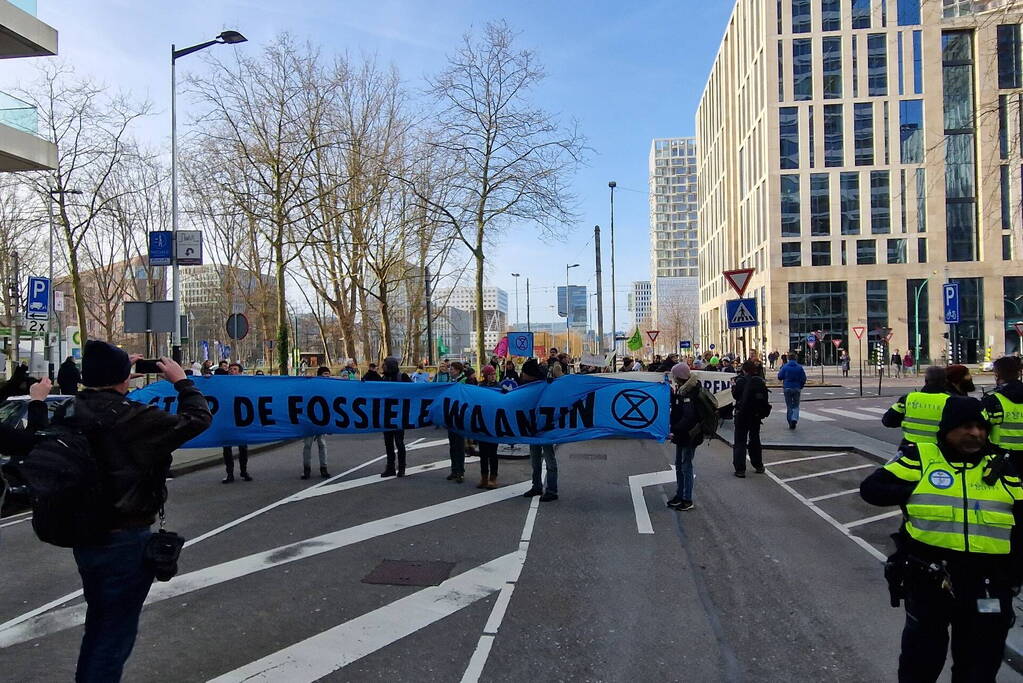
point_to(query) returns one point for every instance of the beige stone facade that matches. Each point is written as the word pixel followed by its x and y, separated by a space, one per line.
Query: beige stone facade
pixel 811 160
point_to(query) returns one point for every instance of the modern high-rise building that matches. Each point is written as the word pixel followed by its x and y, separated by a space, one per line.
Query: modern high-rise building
pixel 495 309
pixel 639 302
pixel 857 154
pixel 674 246
pixel 577 305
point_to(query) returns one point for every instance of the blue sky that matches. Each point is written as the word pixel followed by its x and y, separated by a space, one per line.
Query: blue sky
pixel 628 72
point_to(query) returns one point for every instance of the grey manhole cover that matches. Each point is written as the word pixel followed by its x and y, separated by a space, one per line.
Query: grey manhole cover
pixel 409 573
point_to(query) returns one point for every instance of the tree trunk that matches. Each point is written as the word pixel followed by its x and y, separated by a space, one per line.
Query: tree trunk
pixel 76 286
pixel 480 317
pixel 283 352
pixel 386 341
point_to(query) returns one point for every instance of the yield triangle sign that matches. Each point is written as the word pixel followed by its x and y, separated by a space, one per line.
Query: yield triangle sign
pixel 739 279
pixel 653 335
pixel 858 331
pixel 836 342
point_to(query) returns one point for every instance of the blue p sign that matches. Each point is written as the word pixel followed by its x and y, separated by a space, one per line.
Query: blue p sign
pixel 950 298
pixel 38 298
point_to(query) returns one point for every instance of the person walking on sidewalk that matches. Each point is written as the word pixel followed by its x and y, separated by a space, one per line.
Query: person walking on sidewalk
pixel 307 443
pixel 540 454
pixel 793 378
pixel 692 410
pixel 896 362
pixel 907 364
pixel 919 412
pixel 752 405
pixel 958 557
pixel 487 449
pixel 844 362
pixel 243 449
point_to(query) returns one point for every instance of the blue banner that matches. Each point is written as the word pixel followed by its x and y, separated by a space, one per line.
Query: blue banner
pixel 252 410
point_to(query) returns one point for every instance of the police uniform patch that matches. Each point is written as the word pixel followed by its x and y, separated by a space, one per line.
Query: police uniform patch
pixel 941 479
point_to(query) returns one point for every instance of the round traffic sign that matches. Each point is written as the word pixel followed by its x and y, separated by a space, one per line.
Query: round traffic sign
pixel 237 326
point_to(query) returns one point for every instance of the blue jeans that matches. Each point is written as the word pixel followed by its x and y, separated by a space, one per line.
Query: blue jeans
pixel 116 582
pixel 792 404
pixel 684 471
pixel 544 453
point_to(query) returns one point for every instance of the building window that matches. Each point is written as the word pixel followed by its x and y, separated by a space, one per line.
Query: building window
pixel 880 203
pixel 800 16
pixel 1007 247
pixel 863 133
pixel 843 250
pixel 788 128
pixel 860 13
pixel 831 15
pixel 820 253
pixel 850 203
pixel 903 197
pixel 921 250
pixel 917 316
pixel 866 252
pixel 877 65
pixel 1003 127
pixel 1009 68
pixel 817 306
pixel 918 63
pixel 877 311
pixel 855 66
pixel 802 69
pixel 1006 200
pixel 970 330
pixel 960 165
pixel 884 129
pixel 832 67
pixel 911 130
pixel 811 148
pixel 1012 308
pixel 790 256
pixel 832 135
pixel 921 200
pixel 820 205
pixel 781 70
pixel 909 12
pixel 897 251
pixel 790 206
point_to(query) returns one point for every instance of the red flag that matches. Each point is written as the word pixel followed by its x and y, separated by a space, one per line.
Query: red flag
pixel 501 349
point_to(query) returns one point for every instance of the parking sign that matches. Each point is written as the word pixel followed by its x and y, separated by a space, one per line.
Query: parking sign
pixel 38 306
pixel 950 298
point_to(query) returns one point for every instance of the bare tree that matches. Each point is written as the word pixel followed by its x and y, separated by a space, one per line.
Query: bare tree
pixel 506 159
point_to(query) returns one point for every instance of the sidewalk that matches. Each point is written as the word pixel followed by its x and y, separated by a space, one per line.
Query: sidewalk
pixel 193 459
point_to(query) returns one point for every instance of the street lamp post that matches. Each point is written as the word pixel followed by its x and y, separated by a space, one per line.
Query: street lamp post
pixel 614 326
pixel 49 319
pixel 225 38
pixel 916 321
pixel 568 311
pixel 516 276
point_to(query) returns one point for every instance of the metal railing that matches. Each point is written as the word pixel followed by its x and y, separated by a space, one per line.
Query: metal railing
pixel 18 114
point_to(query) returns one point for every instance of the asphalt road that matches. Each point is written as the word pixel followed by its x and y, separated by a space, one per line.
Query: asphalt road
pixel 753 584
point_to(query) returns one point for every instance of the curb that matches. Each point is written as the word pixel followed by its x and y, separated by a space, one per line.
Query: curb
pixel 212 460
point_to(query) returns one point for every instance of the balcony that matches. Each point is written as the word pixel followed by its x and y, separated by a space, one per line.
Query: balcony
pixel 21 148
pixel 21 34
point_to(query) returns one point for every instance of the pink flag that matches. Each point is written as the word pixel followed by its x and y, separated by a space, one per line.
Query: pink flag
pixel 502 347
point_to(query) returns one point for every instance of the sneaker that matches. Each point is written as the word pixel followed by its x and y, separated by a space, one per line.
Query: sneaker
pixel 388 473
pixel 245 476
pixel 674 502
pixel 760 470
pixel 228 479
pixel 459 478
pixel 548 497
pixel 452 476
pixel 685 505
pixel 532 492
pixel 792 425
pixel 741 475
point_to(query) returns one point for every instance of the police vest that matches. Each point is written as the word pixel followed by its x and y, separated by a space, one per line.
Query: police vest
pixel 922 417
pixel 954 509
pixel 1007 432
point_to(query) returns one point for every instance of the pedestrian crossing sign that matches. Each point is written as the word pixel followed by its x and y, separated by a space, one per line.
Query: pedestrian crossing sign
pixel 741 313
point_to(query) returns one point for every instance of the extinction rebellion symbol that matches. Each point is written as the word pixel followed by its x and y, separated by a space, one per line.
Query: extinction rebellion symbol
pixel 634 409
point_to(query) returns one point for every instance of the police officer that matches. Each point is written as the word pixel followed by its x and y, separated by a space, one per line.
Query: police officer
pixel 1005 408
pixel 958 561
pixel 919 412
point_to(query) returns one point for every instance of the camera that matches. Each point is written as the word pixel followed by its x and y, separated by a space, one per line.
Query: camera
pixel 162 552
pixel 147 367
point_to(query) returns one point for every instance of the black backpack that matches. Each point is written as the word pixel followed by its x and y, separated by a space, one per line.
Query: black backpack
pixel 707 409
pixel 65 487
pixel 758 403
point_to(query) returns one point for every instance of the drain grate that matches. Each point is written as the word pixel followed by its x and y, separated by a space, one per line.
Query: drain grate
pixel 410 573
pixel 588 456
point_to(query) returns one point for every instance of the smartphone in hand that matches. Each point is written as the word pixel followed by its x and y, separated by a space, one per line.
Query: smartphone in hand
pixel 147 366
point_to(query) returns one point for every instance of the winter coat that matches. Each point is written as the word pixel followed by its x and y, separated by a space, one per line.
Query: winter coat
pixel 792 375
pixel 683 415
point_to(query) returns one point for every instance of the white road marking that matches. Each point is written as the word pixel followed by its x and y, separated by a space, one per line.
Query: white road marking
pixel 478 661
pixel 826 496
pixel 870 409
pixel 826 473
pixel 325 653
pixel 313 492
pixel 828 518
pixel 875 518
pixel 850 414
pixel 8 518
pixel 805 458
pixel 636 484
pixel 17 521
pixel 34 624
pixel 812 417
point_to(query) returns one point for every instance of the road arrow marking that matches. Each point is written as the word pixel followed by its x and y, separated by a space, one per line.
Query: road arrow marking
pixel 637 483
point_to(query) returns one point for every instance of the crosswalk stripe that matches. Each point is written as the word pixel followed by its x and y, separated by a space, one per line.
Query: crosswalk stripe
pixel 876 411
pixel 848 413
pixel 812 417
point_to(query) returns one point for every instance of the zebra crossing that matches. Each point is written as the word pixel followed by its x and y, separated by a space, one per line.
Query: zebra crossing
pixel 860 413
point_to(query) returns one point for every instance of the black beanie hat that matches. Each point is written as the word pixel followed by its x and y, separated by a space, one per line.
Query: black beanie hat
pixel 958 411
pixel 103 364
pixel 532 368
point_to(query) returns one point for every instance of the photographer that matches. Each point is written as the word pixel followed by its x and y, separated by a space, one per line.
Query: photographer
pixel 133 445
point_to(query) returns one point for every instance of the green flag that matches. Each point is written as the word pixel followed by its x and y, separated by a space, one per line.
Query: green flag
pixel 442 348
pixel 635 342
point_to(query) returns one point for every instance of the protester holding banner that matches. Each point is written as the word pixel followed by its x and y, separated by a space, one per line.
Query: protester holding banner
pixel 510 372
pixel 488 449
pixel 394 440
pixel 691 404
pixel 456 442
pixel 307 443
pixel 420 375
pixel 350 371
pixel 540 453
pixel 243 450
